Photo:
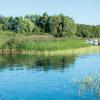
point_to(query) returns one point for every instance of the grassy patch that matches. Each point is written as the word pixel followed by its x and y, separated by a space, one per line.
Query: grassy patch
pixel 42 42
pixel 55 45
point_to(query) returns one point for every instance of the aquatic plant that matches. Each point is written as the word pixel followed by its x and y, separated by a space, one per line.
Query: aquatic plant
pixel 90 83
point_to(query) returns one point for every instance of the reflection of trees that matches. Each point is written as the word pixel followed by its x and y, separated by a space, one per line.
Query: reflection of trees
pixel 32 62
pixel 55 62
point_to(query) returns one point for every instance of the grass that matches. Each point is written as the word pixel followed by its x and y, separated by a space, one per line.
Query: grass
pixel 55 45
pixel 47 44
pixel 43 42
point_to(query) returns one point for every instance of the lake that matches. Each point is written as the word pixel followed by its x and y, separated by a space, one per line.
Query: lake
pixel 24 77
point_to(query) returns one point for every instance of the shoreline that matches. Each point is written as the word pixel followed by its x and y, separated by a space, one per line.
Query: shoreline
pixel 78 51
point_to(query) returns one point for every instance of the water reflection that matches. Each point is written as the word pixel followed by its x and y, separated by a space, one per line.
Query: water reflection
pixel 34 62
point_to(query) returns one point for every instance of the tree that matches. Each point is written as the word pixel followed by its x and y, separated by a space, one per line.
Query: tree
pixel 4 22
pixel 56 25
pixel 97 34
pixel 53 25
pixel 68 26
pixel 10 23
pixel 61 26
pixel 36 29
pixel 21 25
pixel 43 22
pixel 88 30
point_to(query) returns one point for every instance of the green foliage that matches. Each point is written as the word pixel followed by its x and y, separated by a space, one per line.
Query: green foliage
pixel 18 42
pixel 43 22
pixel 68 26
pixel 1 26
pixel 88 30
pixel 97 34
pixel 61 26
pixel 13 43
pixel 55 45
pixel 37 29
pixel 22 25
pixel 56 25
pixel 53 25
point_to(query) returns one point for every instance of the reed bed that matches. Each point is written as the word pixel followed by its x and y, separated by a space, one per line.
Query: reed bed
pixel 44 45
pixel 79 51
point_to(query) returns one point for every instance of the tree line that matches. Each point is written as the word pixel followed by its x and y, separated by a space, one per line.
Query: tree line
pixel 56 25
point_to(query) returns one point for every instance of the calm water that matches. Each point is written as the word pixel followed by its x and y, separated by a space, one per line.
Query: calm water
pixel 46 78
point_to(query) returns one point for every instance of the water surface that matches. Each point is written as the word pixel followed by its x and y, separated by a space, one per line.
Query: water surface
pixel 46 78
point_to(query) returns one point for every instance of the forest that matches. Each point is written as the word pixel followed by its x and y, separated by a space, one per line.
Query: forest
pixel 56 25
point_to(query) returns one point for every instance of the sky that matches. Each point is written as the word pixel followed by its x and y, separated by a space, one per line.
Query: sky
pixel 82 11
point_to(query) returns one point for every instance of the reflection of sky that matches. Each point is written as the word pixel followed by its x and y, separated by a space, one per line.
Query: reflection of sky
pixel 87 65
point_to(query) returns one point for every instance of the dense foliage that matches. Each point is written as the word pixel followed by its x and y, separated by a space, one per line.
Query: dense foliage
pixel 88 30
pixel 56 25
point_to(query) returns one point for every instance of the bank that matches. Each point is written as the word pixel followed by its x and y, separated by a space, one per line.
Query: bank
pixel 78 51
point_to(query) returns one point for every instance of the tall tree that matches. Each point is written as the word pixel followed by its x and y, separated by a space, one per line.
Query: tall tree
pixel 43 22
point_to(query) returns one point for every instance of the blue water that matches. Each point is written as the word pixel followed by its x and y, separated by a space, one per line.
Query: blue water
pixel 46 78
